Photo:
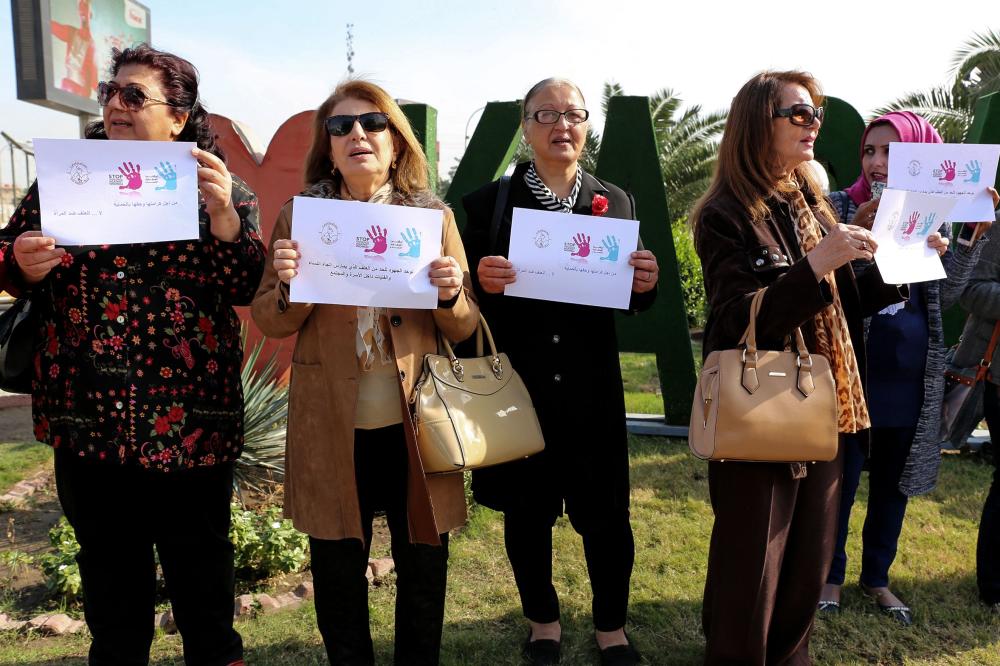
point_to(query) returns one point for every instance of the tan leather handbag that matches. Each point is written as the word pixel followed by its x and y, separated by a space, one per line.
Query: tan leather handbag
pixel 764 406
pixel 472 412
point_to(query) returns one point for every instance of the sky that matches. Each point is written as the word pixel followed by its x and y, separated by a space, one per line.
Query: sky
pixel 262 62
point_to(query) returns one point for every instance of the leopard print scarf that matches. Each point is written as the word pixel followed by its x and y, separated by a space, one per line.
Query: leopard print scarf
pixel 833 337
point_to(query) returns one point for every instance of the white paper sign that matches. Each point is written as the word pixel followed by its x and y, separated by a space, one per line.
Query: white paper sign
pixel 572 258
pixel 962 170
pixel 904 221
pixel 356 253
pixel 95 192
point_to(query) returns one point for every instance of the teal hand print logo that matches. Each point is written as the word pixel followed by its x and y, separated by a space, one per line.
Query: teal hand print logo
pixel 166 171
pixel 928 223
pixel 412 240
pixel 611 248
pixel 975 171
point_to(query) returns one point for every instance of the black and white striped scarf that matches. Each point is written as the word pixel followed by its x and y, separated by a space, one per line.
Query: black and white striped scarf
pixel 545 195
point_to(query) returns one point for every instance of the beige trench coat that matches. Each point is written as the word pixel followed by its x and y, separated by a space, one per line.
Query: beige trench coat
pixel 320 492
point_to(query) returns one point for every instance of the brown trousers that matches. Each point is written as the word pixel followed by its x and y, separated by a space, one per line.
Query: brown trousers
pixel 771 548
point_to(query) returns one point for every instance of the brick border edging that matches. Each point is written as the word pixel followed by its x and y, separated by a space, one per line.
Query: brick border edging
pixel 16 497
pixel 60 624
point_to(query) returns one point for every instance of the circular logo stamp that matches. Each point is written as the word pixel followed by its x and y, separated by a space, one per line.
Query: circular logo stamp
pixel 329 233
pixel 78 173
pixel 914 167
pixel 542 239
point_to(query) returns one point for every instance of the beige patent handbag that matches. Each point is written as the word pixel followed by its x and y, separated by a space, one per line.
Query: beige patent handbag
pixel 764 406
pixel 472 412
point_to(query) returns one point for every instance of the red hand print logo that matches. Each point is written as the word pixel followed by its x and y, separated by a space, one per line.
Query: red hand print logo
pixel 132 174
pixel 582 246
pixel 912 224
pixel 377 234
pixel 949 171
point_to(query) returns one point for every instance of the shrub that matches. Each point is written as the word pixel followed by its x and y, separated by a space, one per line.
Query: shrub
pixel 62 573
pixel 266 544
pixel 692 283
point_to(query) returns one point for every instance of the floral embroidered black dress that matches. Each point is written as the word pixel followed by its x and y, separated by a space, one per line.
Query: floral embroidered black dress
pixel 138 357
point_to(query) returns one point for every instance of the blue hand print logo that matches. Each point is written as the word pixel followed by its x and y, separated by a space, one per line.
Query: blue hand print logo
pixel 975 171
pixel 412 239
pixel 928 223
pixel 611 248
pixel 169 175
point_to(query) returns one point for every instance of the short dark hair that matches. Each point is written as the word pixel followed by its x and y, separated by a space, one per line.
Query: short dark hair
pixel 179 81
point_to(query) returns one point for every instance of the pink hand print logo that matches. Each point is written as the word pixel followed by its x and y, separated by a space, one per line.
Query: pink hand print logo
pixel 378 237
pixel 906 229
pixel 947 171
pixel 132 175
pixel 582 246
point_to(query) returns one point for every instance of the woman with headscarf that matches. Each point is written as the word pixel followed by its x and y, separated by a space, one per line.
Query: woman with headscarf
pixel 905 345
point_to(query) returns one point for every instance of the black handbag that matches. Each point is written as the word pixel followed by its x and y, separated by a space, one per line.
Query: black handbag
pixel 962 405
pixel 18 335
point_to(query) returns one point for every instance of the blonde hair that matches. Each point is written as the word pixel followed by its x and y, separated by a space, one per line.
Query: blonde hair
pixel 410 173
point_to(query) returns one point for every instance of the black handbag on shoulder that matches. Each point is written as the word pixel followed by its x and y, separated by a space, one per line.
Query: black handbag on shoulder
pixel 18 335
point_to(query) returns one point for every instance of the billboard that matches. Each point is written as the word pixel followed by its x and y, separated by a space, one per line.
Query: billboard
pixel 62 48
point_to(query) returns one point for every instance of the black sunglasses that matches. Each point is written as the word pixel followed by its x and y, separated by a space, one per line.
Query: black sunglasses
pixel 132 96
pixel 373 121
pixel 801 114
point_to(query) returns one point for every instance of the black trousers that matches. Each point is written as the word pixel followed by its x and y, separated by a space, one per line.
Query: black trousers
pixel 988 547
pixel 119 515
pixel 609 550
pixel 339 566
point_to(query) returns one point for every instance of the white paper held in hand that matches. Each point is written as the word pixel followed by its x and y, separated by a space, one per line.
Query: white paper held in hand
pixel 94 192
pixel 902 225
pixel 357 253
pixel 960 170
pixel 569 258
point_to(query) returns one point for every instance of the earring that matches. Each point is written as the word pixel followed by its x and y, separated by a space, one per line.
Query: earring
pixel 333 171
pixel 393 162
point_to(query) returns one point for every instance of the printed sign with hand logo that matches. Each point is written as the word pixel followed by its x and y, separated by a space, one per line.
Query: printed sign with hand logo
pixel 611 248
pixel 582 242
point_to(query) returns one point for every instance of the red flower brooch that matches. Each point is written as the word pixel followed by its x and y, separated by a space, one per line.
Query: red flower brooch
pixel 599 206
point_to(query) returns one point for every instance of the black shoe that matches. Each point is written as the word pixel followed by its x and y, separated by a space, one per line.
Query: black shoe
pixel 542 652
pixel 901 614
pixel 621 655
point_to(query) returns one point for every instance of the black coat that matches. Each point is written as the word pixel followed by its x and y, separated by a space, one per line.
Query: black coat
pixel 567 356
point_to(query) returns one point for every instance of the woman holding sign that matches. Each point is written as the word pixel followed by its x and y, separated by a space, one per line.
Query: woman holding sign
pixel 350 450
pixel 905 343
pixel 137 380
pixel 567 356
pixel 765 223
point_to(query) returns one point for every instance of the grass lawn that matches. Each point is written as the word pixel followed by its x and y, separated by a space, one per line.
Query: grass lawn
pixel 17 459
pixel 935 573
pixel 642 385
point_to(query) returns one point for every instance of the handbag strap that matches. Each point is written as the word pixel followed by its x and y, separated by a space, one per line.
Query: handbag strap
pixel 456 363
pixel 498 208
pixel 987 360
pixel 751 382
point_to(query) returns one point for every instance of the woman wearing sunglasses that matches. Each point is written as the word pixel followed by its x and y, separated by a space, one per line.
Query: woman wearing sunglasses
pixel 350 451
pixel 567 356
pixel 905 381
pixel 764 223
pixel 137 380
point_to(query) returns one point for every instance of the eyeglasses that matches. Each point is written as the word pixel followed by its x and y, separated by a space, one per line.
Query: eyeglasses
pixel 801 114
pixel 131 96
pixel 550 117
pixel 374 121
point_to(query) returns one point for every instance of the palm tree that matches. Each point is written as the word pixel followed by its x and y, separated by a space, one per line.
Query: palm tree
pixel 976 71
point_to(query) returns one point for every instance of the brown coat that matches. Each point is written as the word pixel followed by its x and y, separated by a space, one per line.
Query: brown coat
pixel 320 493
